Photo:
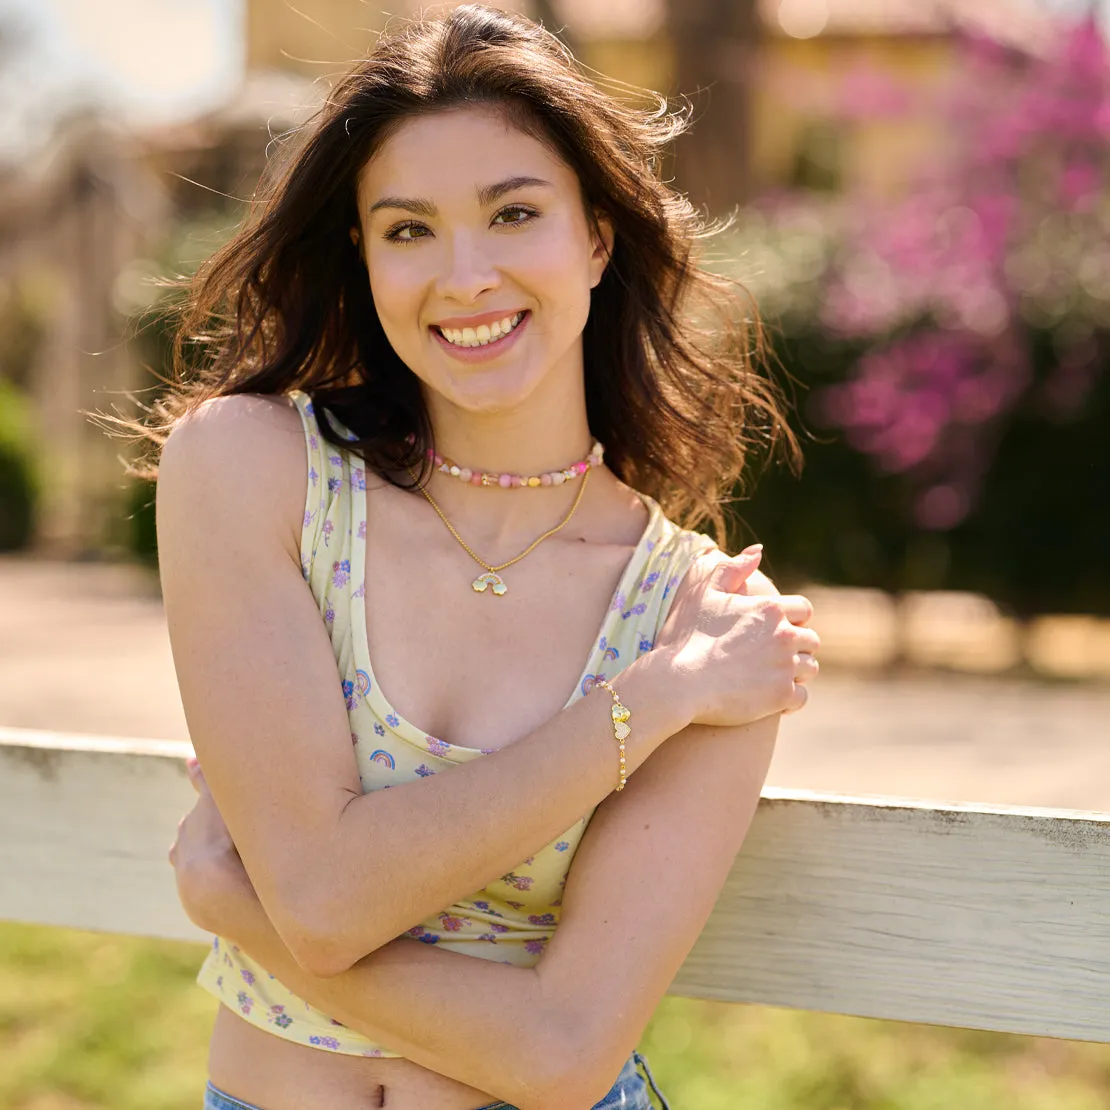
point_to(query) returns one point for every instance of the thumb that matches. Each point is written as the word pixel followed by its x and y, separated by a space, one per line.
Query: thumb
pixel 734 572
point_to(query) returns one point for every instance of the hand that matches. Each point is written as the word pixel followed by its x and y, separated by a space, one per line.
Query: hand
pixel 740 655
pixel 203 855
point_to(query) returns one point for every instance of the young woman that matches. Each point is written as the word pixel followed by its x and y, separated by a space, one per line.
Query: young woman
pixel 458 685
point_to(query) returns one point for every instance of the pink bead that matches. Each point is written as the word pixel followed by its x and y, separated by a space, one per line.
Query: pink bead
pixel 476 479
pixel 439 459
pixel 580 468
pixel 466 474
pixel 517 480
pixel 505 481
pixel 545 479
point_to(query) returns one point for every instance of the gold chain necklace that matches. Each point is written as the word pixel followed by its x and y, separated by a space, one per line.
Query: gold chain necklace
pixel 491 577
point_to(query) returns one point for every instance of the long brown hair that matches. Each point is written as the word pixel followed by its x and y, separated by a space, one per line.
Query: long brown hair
pixel 670 350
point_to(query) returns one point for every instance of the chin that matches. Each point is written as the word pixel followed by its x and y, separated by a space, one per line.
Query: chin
pixel 486 393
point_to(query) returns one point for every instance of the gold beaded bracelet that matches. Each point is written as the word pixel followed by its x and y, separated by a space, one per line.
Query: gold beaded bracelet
pixel 620 714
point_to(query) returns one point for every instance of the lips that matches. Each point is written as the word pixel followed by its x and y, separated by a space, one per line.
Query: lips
pixel 477 351
pixel 482 333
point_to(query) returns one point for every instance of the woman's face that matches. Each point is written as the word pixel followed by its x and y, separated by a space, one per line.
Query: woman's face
pixel 480 256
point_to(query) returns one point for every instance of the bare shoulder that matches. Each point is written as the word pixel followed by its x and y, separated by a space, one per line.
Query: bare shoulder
pixel 230 430
pixel 235 460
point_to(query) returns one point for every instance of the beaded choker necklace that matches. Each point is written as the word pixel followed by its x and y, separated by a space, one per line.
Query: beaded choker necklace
pixel 518 481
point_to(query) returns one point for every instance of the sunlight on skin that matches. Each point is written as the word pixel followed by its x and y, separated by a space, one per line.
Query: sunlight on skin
pixel 530 249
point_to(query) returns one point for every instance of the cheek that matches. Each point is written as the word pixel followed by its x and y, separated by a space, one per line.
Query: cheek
pixel 395 286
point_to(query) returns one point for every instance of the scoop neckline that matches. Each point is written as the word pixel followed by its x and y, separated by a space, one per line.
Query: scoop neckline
pixel 381 705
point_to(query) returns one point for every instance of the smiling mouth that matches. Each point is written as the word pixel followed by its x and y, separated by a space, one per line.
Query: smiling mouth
pixel 485 335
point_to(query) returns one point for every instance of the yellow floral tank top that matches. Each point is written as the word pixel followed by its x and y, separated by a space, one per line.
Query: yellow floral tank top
pixel 514 917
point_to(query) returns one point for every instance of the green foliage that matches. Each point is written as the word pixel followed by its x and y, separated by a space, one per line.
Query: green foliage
pixel 94 1022
pixel 19 485
pixel 848 521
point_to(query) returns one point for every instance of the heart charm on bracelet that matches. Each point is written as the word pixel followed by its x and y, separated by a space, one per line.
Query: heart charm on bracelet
pixel 620 713
pixel 621 729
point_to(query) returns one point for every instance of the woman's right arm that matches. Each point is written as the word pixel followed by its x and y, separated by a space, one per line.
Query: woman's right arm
pixel 338 872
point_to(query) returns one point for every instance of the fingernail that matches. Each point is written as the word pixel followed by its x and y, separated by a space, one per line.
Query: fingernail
pixel 755 549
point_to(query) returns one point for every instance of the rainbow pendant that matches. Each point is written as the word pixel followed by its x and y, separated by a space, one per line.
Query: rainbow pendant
pixel 489 579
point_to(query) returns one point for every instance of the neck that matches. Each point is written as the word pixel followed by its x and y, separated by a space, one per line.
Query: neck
pixel 544 433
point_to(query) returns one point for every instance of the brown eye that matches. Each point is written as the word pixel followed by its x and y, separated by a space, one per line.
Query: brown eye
pixel 396 233
pixel 521 210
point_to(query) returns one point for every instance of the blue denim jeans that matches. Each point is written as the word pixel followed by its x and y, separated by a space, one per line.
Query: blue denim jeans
pixel 630 1092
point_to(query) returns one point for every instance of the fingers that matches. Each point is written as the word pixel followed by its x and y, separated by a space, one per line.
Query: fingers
pixel 797 609
pixel 730 574
pixel 196 775
pixel 805 667
pixel 805 639
pixel 798 699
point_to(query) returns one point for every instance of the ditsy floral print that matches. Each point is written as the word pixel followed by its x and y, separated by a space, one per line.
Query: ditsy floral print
pixel 512 920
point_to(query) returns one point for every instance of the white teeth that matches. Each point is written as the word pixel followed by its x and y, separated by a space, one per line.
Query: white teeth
pixel 483 334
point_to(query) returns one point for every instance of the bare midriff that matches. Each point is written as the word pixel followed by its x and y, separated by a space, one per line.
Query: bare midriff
pixel 272 1073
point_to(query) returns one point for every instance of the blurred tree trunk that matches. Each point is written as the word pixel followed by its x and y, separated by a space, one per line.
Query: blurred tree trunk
pixel 715 48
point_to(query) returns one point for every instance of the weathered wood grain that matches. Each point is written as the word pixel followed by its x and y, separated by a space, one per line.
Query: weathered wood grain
pixel 986 917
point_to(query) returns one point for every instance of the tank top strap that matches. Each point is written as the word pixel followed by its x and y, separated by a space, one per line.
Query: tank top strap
pixel 644 597
pixel 335 478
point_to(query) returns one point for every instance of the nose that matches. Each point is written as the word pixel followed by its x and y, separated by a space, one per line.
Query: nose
pixel 468 271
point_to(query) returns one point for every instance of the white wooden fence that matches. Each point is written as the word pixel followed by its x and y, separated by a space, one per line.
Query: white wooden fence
pixel 984 917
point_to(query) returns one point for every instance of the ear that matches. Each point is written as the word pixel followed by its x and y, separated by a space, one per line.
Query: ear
pixel 603 239
pixel 354 235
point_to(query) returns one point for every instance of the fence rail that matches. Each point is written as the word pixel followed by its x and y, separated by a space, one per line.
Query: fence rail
pixel 986 917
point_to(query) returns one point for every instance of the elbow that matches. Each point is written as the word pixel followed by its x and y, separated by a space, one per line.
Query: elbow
pixel 318 956
pixel 581 1064
pixel 312 928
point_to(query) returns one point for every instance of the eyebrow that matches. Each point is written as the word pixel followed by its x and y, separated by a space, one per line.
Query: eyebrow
pixel 487 194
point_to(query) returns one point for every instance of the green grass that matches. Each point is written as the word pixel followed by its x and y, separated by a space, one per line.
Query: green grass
pixel 93 1022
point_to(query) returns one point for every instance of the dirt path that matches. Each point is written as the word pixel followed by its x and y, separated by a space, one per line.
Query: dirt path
pixel 84 649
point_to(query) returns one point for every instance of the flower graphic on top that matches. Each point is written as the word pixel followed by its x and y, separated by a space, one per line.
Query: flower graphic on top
pixel 562 846
pixel 450 923
pixel 671 583
pixel 362 529
pixel 335 460
pixel 541 919
pixel 340 572
pixel 313 477
pixel 349 693
pixel 248 976
pixel 437 747
pixel 424 771
pixel 378 729
pixel 649 581
pixel 636 610
pixel 645 644
pixel 517 882
pixel 536 946
pixel 334 484
pixel 324 1042
pixel 392 720
pixel 358 478
pixel 327 528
